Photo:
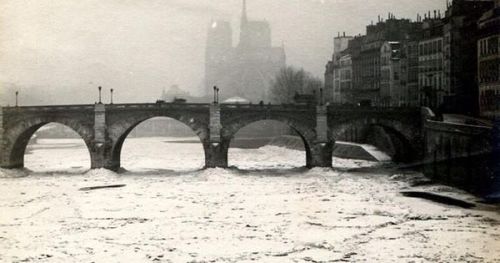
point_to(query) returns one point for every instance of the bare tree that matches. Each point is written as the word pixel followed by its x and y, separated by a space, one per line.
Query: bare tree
pixel 290 81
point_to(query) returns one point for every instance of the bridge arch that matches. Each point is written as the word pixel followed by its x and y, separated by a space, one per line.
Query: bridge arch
pixel 119 130
pixel 301 127
pixel 17 137
pixel 396 138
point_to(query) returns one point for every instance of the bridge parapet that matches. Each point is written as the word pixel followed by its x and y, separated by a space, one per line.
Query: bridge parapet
pixel 130 106
pixel 49 108
pixel 268 107
pixel 451 140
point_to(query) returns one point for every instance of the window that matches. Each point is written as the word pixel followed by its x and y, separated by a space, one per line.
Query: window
pixel 493 45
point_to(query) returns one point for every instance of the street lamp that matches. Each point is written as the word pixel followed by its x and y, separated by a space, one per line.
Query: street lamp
pixel 215 98
pixel 321 96
pixel 100 88
pixel 217 89
pixel 17 93
pixel 111 96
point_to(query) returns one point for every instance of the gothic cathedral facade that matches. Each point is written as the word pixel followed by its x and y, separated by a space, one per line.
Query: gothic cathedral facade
pixel 247 69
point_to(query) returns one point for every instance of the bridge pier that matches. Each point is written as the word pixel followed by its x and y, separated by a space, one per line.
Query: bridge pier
pixel 216 155
pixel 321 155
pixel 99 150
pixel 216 150
pixel 321 149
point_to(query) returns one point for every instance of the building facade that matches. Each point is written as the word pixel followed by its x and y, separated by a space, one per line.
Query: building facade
pixel 432 87
pixel 460 58
pixel 391 75
pixel 247 69
pixel 488 47
pixel 410 61
pixel 438 61
pixel 340 44
pixel 345 81
pixel 377 83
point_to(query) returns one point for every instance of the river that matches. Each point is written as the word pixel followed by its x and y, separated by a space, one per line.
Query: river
pixel 265 209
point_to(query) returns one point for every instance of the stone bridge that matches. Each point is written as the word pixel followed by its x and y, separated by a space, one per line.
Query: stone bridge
pixel 104 128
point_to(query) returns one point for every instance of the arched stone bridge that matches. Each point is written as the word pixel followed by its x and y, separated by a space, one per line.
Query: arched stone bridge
pixel 104 128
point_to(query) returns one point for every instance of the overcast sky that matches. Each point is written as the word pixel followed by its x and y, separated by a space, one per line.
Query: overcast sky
pixel 147 45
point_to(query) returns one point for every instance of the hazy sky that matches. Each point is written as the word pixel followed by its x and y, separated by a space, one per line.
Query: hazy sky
pixel 146 45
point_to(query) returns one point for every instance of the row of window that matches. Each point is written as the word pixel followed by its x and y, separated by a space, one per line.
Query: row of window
pixel 489 100
pixel 489 71
pixel 488 46
pixel 431 47
pixel 433 81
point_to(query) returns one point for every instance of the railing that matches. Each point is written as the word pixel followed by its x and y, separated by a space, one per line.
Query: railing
pixel 50 107
pixel 457 127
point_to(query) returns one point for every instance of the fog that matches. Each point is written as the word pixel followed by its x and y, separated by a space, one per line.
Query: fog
pixel 57 51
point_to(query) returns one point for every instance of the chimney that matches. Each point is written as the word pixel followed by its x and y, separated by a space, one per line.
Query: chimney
pixel 344 33
pixel 435 14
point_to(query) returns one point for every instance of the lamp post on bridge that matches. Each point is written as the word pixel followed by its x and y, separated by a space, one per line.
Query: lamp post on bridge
pixel 216 95
pixel 321 96
pixel 100 88
pixel 217 89
pixel 17 93
pixel 215 99
pixel 111 90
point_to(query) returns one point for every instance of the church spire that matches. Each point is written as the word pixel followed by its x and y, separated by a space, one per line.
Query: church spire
pixel 244 18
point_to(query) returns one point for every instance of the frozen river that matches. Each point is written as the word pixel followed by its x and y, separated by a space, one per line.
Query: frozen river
pixel 268 210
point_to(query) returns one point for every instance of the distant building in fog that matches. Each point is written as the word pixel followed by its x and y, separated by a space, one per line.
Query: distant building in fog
pixel 175 92
pixel 247 69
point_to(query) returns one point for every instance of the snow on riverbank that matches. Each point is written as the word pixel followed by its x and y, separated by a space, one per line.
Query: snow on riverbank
pixel 282 213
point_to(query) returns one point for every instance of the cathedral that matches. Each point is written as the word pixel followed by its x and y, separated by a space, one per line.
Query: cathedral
pixel 247 69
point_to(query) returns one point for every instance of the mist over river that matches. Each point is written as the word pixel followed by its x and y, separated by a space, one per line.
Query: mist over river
pixel 266 208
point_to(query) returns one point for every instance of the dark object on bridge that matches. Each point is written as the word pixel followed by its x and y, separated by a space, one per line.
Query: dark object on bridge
pixel 439 199
pixel 101 187
pixel 179 100
pixel 307 99
pixel 365 103
pixel 160 101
